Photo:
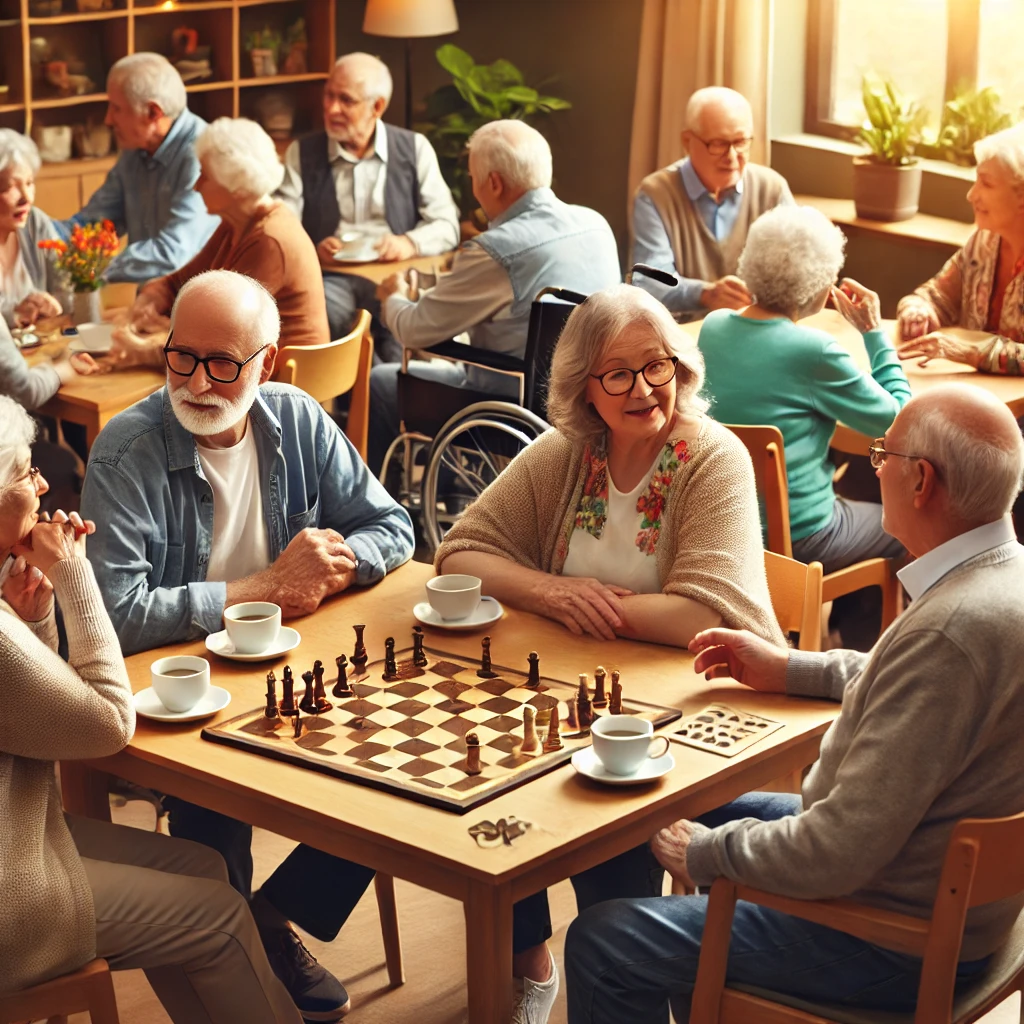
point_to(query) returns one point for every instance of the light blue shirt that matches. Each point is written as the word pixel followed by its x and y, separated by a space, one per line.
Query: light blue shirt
pixel 153 509
pixel 150 198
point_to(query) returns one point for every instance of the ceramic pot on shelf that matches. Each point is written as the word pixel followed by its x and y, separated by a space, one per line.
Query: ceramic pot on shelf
pixel 87 307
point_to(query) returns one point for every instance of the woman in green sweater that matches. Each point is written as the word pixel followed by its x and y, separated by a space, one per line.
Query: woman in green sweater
pixel 764 367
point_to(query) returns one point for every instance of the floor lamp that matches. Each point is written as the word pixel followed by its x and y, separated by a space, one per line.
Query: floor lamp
pixel 408 20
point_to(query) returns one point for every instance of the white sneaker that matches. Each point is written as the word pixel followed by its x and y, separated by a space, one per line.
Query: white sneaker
pixel 534 999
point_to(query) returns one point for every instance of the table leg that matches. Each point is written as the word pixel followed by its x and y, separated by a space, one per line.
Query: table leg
pixel 92 430
pixel 489 953
pixel 85 790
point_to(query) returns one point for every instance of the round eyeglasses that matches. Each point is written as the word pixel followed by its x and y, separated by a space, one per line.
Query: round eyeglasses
pixel 657 373
pixel 218 368
pixel 877 454
pixel 719 147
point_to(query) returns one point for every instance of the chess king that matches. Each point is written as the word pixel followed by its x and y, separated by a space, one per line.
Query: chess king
pixel 222 488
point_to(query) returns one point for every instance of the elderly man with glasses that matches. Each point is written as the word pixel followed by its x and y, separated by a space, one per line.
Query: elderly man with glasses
pixel 218 489
pixel 691 218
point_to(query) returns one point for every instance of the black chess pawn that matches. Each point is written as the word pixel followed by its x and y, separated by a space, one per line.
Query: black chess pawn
pixel 359 657
pixel 288 707
pixel 390 666
pixel 484 671
pixel 308 702
pixel 271 711
pixel 533 679
pixel 323 705
pixel 341 687
pixel 419 656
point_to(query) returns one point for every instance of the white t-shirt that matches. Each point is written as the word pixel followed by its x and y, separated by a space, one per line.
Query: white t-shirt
pixel 240 544
pixel 614 557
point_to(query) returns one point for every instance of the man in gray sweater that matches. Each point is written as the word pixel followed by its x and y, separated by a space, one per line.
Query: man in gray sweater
pixel 929 733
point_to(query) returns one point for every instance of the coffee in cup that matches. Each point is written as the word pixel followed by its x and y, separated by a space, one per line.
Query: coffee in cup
pixel 622 743
pixel 454 597
pixel 252 625
pixel 180 681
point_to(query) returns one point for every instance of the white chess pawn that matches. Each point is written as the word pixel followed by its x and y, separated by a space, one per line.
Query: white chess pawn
pixel 531 741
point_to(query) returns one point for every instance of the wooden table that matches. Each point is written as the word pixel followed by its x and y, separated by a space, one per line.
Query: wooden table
pixel 576 823
pixel 377 272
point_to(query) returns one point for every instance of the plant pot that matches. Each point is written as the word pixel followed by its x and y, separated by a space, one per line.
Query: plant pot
pixel 87 308
pixel 93 141
pixel 884 192
pixel 264 62
pixel 53 142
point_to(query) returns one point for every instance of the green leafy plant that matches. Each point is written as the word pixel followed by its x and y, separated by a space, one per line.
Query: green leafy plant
pixel 264 39
pixel 970 116
pixel 477 94
pixel 894 123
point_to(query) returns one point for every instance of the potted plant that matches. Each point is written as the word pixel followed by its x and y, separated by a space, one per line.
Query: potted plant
pixel 83 259
pixel 887 180
pixel 477 94
pixel 970 116
pixel 263 46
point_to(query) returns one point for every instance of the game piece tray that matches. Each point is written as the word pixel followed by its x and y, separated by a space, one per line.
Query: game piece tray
pixel 407 736
pixel 720 729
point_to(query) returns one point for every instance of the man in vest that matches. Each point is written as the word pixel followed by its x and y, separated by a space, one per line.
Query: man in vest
pixel 691 218
pixel 533 241
pixel 362 178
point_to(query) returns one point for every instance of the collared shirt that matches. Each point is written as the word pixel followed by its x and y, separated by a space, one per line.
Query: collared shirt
pixel 359 184
pixel 151 199
pixel 922 574
pixel 153 507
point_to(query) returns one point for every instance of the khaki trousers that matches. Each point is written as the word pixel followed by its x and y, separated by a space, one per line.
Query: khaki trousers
pixel 164 905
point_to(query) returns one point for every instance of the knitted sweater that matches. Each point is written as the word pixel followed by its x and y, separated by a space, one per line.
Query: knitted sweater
pixel 704 529
pixel 930 733
pixel 52 710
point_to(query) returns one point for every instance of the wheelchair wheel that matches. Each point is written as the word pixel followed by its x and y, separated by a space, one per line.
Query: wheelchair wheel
pixel 467 454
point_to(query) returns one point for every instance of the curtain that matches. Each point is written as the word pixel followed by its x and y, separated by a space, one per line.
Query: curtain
pixel 684 46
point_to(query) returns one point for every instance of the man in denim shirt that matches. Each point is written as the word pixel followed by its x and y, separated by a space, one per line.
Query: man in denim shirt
pixel 216 490
pixel 148 193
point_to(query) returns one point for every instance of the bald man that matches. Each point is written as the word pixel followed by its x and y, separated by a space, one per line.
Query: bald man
pixel 929 734
pixel 691 218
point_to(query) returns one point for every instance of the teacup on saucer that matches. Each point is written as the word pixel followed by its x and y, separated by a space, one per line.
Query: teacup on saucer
pixel 455 596
pixel 180 681
pixel 252 625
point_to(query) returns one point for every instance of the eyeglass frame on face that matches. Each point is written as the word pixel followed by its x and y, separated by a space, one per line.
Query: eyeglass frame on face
pixel 877 454
pixel 206 362
pixel 642 372
pixel 719 147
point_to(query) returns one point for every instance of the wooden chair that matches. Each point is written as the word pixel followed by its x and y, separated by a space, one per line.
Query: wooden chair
pixel 767 452
pixel 795 591
pixel 984 863
pixel 88 989
pixel 326 371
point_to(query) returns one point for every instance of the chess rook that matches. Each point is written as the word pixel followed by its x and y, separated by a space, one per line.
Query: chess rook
pixel 531 741
pixel 473 754
pixel 600 697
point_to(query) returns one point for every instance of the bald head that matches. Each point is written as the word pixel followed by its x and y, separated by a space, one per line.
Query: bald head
pixel 707 107
pixel 237 313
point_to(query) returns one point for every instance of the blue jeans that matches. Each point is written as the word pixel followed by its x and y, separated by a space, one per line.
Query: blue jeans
pixel 625 959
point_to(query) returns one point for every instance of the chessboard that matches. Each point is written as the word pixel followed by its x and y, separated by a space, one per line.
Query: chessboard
pixel 408 735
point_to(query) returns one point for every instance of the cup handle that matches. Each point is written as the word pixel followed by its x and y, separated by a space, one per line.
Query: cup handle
pixel 655 740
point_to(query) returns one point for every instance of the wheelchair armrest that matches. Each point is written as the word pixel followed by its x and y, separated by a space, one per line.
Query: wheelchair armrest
pixel 477 356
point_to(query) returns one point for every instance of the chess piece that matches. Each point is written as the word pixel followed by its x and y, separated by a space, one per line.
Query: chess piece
pixel 484 671
pixel 323 705
pixel 531 741
pixel 572 718
pixel 288 707
pixel 533 679
pixel 359 657
pixel 615 707
pixel 297 726
pixel 419 656
pixel 308 703
pixel 341 687
pixel 553 741
pixel 472 754
pixel 271 711
pixel 390 666
pixel 600 697
pixel 584 708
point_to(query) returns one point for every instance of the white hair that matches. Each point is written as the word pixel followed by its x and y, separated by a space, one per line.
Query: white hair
pixel 714 95
pixel 517 152
pixel 17 432
pixel 792 254
pixel 1007 147
pixel 371 72
pixel 150 78
pixel 265 323
pixel 17 150
pixel 240 156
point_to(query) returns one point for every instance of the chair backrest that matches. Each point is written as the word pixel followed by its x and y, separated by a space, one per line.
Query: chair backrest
pixel 767 452
pixel 326 371
pixel 795 591
pixel 547 318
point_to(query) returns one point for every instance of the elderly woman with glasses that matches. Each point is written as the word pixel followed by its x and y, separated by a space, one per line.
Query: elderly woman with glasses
pixel 766 367
pixel 259 236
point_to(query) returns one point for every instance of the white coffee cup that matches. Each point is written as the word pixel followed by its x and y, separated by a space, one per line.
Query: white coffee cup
pixel 180 681
pixel 252 625
pixel 454 597
pixel 622 743
pixel 95 338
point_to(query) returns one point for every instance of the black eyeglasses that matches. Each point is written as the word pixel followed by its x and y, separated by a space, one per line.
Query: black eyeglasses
pixel 719 147
pixel 218 368
pixel 657 373
pixel 877 454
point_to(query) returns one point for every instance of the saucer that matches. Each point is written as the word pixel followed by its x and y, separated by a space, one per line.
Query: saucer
pixel 486 612
pixel 586 762
pixel 287 640
pixel 148 705
pixel 366 256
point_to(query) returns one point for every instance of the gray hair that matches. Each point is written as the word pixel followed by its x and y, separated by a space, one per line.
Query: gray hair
pixel 240 156
pixel 982 477
pixel 591 327
pixel 793 253
pixel 17 150
pixel 17 432
pixel 519 153
pixel 235 289
pixel 1007 147
pixel 714 95
pixel 371 72
pixel 150 78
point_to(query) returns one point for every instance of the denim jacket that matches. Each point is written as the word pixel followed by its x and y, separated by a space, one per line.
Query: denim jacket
pixel 153 509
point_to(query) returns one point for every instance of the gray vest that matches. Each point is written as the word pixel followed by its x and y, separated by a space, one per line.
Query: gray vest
pixel 320 213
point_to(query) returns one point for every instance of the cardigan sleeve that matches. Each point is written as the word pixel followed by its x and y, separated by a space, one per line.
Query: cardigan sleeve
pixel 942 296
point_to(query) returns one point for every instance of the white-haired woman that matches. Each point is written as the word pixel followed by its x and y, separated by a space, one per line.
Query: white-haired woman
pixel 258 236
pixel 981 287
pixel 764 366
pixel 30 287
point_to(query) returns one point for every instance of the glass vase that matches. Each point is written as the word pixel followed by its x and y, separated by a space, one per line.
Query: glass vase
pixel 87 308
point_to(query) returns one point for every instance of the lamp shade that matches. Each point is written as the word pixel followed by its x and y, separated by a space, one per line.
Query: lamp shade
pixel 410 19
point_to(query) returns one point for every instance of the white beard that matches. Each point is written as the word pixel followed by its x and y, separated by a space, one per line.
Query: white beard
pixel 204 424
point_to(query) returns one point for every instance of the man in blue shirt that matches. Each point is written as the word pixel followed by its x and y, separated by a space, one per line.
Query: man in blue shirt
pixel 148 193
pixel 217 490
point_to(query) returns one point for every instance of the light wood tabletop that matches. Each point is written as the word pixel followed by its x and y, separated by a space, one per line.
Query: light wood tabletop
pixel 377 272
pixel 576 823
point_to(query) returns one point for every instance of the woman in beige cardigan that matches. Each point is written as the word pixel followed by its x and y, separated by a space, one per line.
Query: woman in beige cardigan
pixel 72 889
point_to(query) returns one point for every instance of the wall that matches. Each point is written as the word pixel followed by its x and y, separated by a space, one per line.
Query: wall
pixel 582 50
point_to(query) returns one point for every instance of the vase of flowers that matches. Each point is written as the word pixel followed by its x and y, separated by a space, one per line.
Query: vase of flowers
pixel 83 260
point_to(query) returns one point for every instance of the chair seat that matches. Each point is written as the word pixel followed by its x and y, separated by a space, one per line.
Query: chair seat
pixel 1005 965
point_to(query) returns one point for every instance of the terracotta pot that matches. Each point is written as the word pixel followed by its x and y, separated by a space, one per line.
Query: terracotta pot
pixel 87 308
pixel 884 192
pixel 264 62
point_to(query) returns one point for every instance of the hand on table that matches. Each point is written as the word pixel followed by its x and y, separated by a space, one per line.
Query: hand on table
pixel 916 320
pixel 28 591
pixel 938 345
pixel 35 307
pixel 859 305
pixel 393 284
pixel 741 655
pixel 316 564
pixel 78 364
pixel 146 317
pixel 395 247
pixel 327 248
pixel 583 605
pixel 49 543
pixel 130 349
pixel 726 293
pixel 669 847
